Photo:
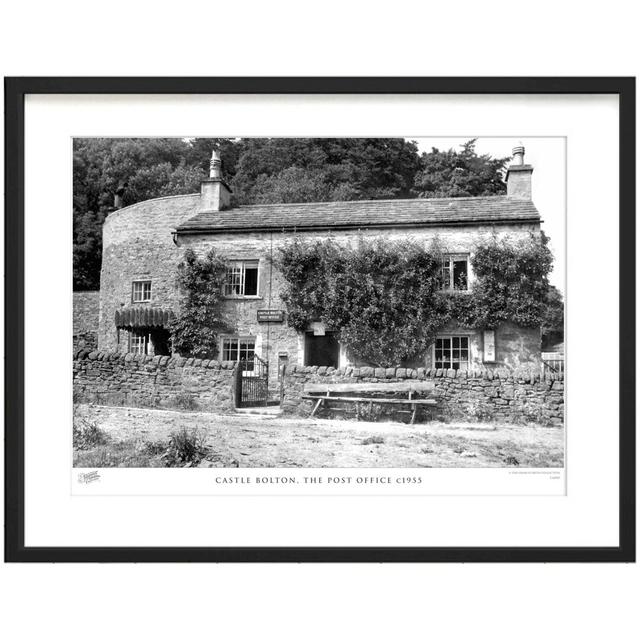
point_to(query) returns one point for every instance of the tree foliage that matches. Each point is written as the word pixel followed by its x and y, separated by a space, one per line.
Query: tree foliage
pixel 384 298
pixel 261 170
pixel 275 170
pixel 553 319
pixel 87 249
pixel 150 167
pixel 199 319
pixel 455 174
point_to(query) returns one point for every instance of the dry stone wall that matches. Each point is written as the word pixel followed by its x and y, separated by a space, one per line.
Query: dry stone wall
pixel 208 385
pixel 153 381
pixel 496 395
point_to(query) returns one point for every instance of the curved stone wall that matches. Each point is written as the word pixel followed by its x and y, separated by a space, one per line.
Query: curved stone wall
pixel 138 245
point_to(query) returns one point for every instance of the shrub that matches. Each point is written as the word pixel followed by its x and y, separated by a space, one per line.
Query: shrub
pixel 154 448
pixel 380 296
pixel 199 319
pixel 385 301
pixel 87 434
pixel 512 281
pixel 370 413
pixel 479 412
pixel 185 401
pixel 185 447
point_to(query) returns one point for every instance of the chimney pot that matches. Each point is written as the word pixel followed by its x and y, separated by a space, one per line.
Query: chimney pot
pixel 215 194
pixel 215 165
pixel 518 154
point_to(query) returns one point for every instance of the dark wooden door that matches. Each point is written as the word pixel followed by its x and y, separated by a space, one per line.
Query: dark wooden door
pixel 322 351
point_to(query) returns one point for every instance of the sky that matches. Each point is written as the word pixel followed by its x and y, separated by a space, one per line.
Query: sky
pixel 548 182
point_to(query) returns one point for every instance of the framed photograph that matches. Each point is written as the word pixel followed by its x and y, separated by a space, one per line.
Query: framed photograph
pixel 320 319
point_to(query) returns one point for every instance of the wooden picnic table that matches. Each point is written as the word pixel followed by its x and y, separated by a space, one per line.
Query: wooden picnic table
pixel 312 391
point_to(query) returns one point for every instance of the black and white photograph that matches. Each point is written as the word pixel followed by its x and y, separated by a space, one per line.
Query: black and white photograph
pixel 311 302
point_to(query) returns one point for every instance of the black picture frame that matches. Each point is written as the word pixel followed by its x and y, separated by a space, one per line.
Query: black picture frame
pixel 15 91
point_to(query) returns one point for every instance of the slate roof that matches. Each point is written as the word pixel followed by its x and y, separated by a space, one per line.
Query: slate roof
pixel 364 214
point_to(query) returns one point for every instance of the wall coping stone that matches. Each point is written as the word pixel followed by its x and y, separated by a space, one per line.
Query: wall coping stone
pixel 157 361
pixel 523 376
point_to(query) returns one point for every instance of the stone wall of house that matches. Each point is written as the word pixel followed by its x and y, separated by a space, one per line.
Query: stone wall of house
pixel 501 394
pixel 153 381
pixel 513 344
pixel 86 308
pixel 515 347
pixel 137 244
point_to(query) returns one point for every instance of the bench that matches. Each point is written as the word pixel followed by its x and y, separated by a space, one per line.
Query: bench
pixel 312 391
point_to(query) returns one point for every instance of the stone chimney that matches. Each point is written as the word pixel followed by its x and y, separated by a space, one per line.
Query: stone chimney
pixel 215 194
pixel 119 195
pixel 519 176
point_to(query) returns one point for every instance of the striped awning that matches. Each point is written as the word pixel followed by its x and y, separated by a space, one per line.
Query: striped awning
pixel 143 317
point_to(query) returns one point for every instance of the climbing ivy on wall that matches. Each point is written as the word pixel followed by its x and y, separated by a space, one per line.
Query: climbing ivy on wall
pixel 512 281
pixel 384 298
pixel 199 320
pixel 380 296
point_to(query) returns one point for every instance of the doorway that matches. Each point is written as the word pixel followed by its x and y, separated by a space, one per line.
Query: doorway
pixel 321 351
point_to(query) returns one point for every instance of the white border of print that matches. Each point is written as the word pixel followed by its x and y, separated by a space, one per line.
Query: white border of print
pixel 586 516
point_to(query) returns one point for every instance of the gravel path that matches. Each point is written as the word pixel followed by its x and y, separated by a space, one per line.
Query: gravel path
pixel 265 441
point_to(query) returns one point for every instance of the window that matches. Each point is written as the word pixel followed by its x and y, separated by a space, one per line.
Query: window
pixel 242 279
pixel 452 353
pixel 239 349
pixel 138 341
pixel 455 273
pixel 153 341
pixel 141 291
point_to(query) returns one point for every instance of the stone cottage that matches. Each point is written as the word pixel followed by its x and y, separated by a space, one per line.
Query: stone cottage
pixel 144 243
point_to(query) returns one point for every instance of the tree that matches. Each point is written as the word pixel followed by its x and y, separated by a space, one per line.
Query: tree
pixel 553 318
pixel 87 253
pixel 199 319
pixel 291 185
pixel 150 167
pixel 324 168
pixel 455 174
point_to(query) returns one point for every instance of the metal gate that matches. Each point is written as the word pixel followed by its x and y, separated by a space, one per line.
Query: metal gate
pixel 253 383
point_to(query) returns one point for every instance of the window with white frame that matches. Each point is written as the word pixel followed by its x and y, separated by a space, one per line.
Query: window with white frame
pixel 452 352
pixel 242 279
pixel 455 272
pixel 141 291
pixel 138 341
pixel 237 349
